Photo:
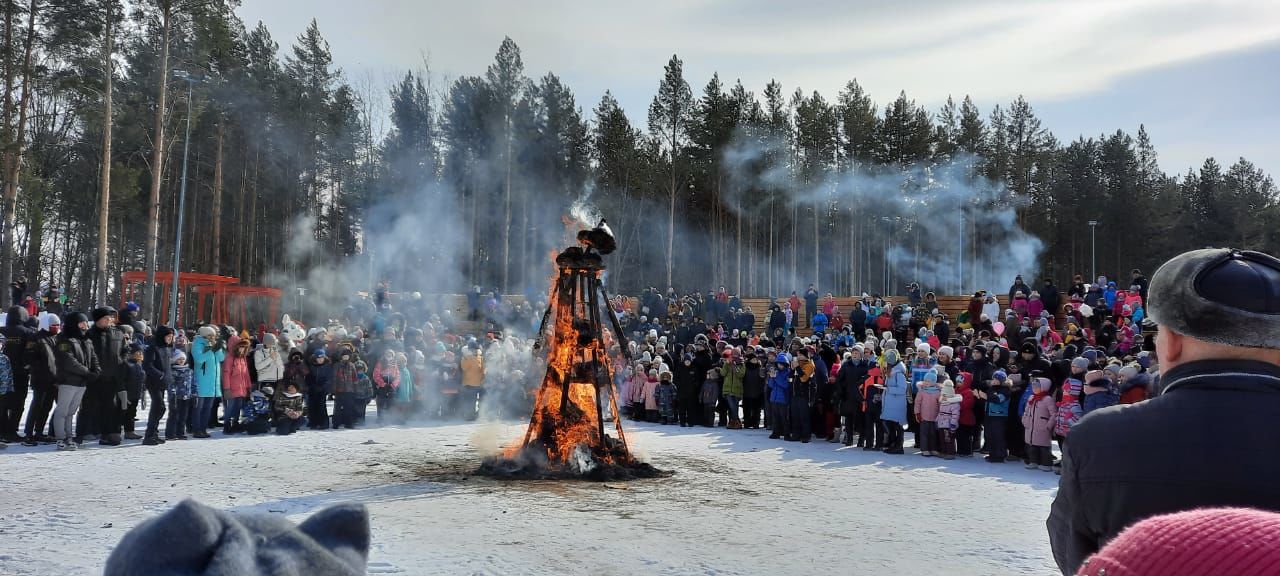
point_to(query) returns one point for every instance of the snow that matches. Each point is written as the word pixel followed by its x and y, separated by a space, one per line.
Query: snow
pixel 738 503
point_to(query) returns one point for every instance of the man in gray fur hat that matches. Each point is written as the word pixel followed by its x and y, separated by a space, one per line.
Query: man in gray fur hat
pixel 1208 440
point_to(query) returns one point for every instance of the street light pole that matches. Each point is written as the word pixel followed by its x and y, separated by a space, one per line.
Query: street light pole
pixel 1093 232
pixel 182 203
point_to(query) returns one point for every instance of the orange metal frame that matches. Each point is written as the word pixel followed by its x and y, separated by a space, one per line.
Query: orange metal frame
pixel 231 302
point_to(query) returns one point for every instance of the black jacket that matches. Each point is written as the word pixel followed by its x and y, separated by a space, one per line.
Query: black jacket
pixel 112 353
pixel 44 363
pixel 1205 442
pixel 158 361
pixel 19 341
pixel 849 385
pixel 77 362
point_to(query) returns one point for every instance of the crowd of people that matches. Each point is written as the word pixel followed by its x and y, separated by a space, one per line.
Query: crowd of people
pixel 105 377
pixel 1007 388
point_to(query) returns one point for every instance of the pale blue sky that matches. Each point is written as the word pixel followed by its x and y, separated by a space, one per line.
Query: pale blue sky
pixel 1200 74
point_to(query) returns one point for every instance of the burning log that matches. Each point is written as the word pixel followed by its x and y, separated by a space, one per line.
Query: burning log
pixel 567 436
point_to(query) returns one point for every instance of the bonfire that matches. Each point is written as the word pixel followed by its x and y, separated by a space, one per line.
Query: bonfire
pixel 568 436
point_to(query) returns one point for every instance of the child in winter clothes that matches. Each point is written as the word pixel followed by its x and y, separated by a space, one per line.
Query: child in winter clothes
pixel 386 378
pixel 236 382
pixel 926 411
pixel 256 416
pixel 634 394
pixel 289 408
pixel 346 399
pixel 709 395
pixel 779 395
pixel 1099 391
pixel 873 432
pixel 404 393
pixel 948 419
pixel 650 395
pixel 1038 421
pixel 137 383
pixel 181 391
pixel 997 401
pixel 666 398
pixel 1069 409
pixel 364 391
pixel 968 419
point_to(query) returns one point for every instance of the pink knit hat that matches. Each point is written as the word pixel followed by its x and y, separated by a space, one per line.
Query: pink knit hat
pixel 1236 541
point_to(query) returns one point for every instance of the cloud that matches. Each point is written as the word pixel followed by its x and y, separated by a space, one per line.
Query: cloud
pixel 992 49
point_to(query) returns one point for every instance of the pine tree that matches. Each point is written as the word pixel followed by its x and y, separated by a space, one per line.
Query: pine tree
pixel 670 116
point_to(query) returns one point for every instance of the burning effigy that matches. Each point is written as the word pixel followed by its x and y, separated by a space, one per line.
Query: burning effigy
pixel 569 433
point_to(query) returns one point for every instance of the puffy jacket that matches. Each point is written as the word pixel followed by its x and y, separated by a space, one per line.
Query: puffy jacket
pixel 848 387
pixel 157 361
pixel 113 353
pixel 731 377
pixel 753 380
pixel 948 417
pixel 236 382
pixel 77 362
pixel 346 379
pixel 780 385
pixel 926 404
pixel 44 361
pixel 19 339
pixel 1069 410
pixel 1038 420
pixel 268 362
pixel 895 395
pixel 1114 476
pixel 206 367
pixel 319 378
pixel 998 402
pixel 472 371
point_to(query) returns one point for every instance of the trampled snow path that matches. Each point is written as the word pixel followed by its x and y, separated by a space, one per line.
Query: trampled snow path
pixel 738 504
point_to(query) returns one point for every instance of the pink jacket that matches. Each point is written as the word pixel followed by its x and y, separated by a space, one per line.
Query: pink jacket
pixel 235 372
pixel 1038 420
pixel 949 413
pixel 651 395
pixel 927 403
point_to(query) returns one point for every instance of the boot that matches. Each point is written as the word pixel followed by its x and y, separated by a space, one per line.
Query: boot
pixel 110 440
pixel 151 441
pixel 30 441
pixel 131 435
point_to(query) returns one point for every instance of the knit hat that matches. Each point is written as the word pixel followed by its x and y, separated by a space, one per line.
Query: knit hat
pixel 948 390
pixel 1091 355
pixel 1000 375
pixel 947 351
pixel 1093 376
pixel 103 312
pixel 1129 371
pixel 1081 363
pixel 208 332
pixel 931 376
pixel 923 349
pixel 1235 541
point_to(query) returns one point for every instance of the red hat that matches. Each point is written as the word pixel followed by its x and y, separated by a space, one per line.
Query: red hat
pixel 1236 541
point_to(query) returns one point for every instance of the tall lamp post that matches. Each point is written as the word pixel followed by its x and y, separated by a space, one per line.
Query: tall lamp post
pixel 1093 233
pixel 182 202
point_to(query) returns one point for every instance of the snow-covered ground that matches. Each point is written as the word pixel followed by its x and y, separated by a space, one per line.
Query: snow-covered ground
pixel 737 504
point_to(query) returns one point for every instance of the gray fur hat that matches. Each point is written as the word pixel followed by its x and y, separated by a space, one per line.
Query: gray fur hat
pixel 1219 295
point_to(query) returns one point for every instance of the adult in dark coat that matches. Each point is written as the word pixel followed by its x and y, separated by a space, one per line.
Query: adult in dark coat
pixel 1018 286
pixel 157 363
pixel 44 384
pixel 848 389
pixel 858 320
pixel 109 392
pixel 19 343
pixel 1050 297
pixel 753 390
pixel 1219 358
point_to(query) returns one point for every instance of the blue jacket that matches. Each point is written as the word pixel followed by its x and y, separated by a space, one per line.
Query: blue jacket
pixel 207 367
pixel 820 322
pixel 182 386
pixel 895 395
pixel 997 403
pixel 1110 296
pixel 780 386
pixel 919 367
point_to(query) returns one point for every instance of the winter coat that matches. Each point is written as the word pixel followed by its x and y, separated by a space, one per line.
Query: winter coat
pixel 6 375
pixel 1069 409
pixel 853 373
pixel 320 378
pixel 948 417
pixel 19 339
pixel 135 379
pixel 113 354
pixel 926 402
pixel 268 363
pixel 1038 421
pixel 731 377
pixel 1127 463
pixel 207 367
pixel 1099 400
pixel 967 401
pixel 289 402
pixel 895 395
pixel 258 406
pixel 236 382
pixel 753 381
pixel 649 392
pixel 345 378
pixel 77 361
pixel 182 384
pixel 386 378
pixel 919 368
pixel 404 392
pixel 998 402
pixel 666 394
pixel 44 361
pixel 780 386
pixel 709 395
pixel 158 361
pixel 820 322
pixel 472 371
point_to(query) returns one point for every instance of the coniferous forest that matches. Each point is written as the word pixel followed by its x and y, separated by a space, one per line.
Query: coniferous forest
pixel 300 174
